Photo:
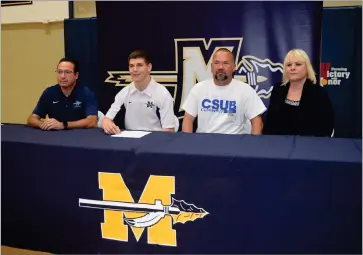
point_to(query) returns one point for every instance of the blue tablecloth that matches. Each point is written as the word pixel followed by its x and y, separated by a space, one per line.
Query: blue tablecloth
pixel 263 194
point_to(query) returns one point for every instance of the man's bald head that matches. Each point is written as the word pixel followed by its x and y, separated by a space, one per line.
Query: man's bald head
pixel 225 50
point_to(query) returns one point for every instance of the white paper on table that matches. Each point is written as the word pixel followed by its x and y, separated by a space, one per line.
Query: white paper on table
pixel 131 134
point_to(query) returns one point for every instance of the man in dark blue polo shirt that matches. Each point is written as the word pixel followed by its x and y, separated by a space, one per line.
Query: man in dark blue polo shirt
pixel 67 104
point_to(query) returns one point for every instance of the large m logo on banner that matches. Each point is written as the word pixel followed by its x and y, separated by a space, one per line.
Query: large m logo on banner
pixel 182 36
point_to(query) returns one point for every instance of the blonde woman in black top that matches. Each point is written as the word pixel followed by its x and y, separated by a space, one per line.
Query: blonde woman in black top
pixel 299 106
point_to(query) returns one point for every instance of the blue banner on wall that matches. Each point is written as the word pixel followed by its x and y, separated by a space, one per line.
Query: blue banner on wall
pixel 341 67
pixel 80 40
pixel 182 36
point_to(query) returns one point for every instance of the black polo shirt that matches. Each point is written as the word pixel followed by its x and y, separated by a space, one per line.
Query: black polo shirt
pixel 78 105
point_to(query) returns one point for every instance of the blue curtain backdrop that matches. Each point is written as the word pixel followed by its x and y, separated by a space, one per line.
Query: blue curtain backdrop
pixel 81 43
pixel 182 36
pixel 341 48
pixel 342 54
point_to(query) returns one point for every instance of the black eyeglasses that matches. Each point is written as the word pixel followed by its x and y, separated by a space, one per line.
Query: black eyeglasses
pixel 67 72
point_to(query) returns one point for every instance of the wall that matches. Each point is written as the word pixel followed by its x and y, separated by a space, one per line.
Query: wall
pixel 341 3
pixel 30 51
pixel 38 11
pixel 84 9
pixel 29 56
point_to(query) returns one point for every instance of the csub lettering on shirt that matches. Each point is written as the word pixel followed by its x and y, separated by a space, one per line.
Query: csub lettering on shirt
pixel 217 105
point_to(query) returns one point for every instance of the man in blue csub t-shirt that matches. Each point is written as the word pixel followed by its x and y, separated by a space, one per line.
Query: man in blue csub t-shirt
pixel 67 104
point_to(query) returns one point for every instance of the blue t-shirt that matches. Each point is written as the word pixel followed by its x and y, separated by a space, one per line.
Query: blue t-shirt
pixel 78 105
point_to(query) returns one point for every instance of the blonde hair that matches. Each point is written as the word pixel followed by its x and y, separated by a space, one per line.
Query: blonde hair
pixel 301 54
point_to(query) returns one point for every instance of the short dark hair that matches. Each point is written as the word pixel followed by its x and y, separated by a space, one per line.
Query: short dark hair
pixel 140 54
pixel 71 60
pixel 225 50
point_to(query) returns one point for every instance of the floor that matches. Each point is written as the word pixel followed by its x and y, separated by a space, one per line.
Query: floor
pixel 10 250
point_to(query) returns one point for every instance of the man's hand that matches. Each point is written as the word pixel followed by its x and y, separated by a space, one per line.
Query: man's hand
pixel 50 124
pixel 109 127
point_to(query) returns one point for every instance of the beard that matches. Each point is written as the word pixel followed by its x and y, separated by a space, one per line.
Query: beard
pixel 220 76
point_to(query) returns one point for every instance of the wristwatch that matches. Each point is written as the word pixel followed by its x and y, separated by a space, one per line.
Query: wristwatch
pixel 65 124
